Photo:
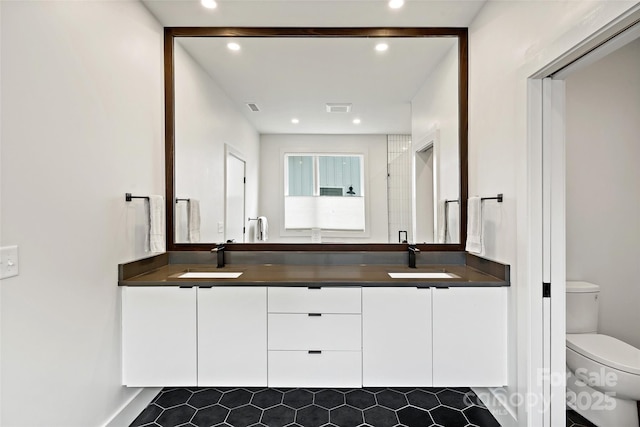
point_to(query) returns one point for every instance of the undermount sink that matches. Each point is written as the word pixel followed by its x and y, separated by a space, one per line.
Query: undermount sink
pixel 423 275
pixel 209 275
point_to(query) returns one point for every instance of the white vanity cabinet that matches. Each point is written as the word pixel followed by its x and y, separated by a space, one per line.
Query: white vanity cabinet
pixel 469 336
pixel 278 336
pixel 193 336
pixel 159 336
pixel 232 336
pixel 314 337
pixel 396 337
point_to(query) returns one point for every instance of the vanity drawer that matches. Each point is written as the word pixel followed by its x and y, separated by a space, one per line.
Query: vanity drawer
pixel 310 300
pixel 315 332
pixel 319 369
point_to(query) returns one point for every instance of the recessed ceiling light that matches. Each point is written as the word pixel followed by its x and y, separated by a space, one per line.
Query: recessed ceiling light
pixel 295 121
pixel 381 47
pixel 209 4
pixel 396 4
pixel 356 121
pixel 233 46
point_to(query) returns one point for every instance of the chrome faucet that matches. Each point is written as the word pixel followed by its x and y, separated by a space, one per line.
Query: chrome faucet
pixel 412 255
pixel 219 249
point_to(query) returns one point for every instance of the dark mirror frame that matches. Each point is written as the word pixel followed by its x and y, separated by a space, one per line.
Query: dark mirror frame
pixel 371 32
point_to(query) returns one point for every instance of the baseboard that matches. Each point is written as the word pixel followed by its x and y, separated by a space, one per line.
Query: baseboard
pixel 495 404
pixel 133 407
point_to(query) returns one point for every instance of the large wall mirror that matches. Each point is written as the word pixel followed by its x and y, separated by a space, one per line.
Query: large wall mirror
pixel 314 139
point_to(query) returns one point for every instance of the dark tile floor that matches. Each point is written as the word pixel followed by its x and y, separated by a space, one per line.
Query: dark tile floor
pixel 576 420
pixel 376 407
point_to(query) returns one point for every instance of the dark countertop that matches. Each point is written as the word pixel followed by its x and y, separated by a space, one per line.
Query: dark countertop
pixel 313 275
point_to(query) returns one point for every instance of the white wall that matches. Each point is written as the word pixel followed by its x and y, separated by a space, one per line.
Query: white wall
pixel 82 123
pixel 1 241
pixel 273 148
pixel 603 200
pixel 206 120
pixel 435 107
pixel 508 42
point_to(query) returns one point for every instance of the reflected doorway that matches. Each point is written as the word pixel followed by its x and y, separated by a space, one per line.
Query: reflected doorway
pixel 235 177
pixel 423 163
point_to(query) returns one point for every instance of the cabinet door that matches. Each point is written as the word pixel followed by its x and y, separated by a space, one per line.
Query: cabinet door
pixel 396 337
pixel 159 336
pixel 232 336
pixel 470 337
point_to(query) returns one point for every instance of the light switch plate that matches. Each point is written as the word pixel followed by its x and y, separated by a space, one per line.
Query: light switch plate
pixel 9 262
pixel 220 227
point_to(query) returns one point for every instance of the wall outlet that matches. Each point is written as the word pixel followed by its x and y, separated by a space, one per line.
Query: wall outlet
pixel 8 262
pixel 220 227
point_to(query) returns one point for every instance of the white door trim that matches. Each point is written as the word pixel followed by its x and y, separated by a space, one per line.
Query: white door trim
pixel 533 263
pixel 554 248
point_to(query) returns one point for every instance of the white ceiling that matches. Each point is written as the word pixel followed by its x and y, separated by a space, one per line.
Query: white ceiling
pixel 321 13
pixel 295 77
pixel 290 78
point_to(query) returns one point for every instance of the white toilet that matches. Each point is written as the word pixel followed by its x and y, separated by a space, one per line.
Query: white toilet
pixel 603 383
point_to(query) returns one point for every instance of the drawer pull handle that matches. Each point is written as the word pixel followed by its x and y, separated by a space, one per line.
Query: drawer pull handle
pixel 315 314
pixel 315 352
pixel 314 287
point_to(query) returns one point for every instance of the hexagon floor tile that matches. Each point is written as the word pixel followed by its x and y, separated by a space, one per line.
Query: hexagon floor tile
pixel 366 407
pixel 576 420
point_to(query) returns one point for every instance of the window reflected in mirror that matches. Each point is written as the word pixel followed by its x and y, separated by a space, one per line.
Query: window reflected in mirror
pixel 323 175
pixel 324 192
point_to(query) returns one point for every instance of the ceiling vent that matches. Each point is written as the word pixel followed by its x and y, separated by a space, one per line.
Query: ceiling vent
pixel 253 107
pixel 338 108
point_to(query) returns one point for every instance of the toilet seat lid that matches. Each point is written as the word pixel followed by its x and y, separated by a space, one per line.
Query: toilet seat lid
pixel 606 350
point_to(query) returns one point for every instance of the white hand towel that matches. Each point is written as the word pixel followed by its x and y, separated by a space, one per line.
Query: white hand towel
pixel 442 221
pixel 193 219
pixel 262 229
pixel 156 224
pixel 474 226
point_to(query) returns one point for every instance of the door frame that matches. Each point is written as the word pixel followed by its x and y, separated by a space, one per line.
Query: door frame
pixel 229 151
pixel 546 219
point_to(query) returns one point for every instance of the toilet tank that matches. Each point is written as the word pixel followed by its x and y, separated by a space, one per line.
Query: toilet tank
pixel 582 307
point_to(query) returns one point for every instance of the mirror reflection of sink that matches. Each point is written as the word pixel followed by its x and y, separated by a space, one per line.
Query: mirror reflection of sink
pixel 423 275
pixel 209 275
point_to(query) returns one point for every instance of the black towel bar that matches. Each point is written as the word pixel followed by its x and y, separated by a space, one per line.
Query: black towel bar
pixel 128 197
pixel 498 198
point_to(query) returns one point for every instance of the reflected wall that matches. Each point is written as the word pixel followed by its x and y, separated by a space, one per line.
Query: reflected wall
pixel 207 119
